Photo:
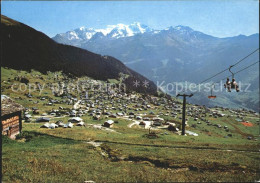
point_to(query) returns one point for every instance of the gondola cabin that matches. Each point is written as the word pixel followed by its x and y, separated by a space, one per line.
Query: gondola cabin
pixel 11 121
pixel 211 91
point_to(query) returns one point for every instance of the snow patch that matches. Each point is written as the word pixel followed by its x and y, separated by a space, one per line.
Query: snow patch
pixel 113 31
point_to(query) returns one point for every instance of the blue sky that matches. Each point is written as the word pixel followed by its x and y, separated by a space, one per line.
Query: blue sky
pixel 221 18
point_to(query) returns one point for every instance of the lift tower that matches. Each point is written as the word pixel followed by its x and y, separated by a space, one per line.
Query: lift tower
pixel 183 111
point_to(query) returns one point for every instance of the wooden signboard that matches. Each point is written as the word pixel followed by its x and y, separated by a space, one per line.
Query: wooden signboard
pixel 11 122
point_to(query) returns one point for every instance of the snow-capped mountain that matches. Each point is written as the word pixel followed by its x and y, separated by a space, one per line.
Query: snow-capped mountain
pixel 172 54
pixel 81 36
pixel 111 31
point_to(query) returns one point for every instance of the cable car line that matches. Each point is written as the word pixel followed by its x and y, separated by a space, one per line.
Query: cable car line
pixel 245 57
pixel 237 72
pixel 214 83
pixel 230 66
pixel 233 84
pixel 230 85
pixel 240 70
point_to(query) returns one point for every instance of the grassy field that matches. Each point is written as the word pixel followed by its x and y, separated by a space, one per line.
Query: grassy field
pixel 126 155
pixel 57 155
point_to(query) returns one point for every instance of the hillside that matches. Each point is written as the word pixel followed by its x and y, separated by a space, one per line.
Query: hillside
pixel 24 48
pixel 144 142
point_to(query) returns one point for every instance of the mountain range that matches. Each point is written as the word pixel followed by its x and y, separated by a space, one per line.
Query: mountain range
pixel 176 54
pixel 24 48
pixel 84 34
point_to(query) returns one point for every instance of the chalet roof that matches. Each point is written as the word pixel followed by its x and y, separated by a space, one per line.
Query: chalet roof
pixel 109 122
pixel 8 106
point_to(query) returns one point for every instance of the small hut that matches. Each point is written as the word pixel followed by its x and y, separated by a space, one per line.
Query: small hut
pixel 108 123
pixel 11 120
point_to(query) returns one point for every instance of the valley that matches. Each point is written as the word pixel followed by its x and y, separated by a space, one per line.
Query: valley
pixel 219 143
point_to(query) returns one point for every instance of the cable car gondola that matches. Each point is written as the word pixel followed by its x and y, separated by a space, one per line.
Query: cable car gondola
pixel 233 84
pixel 211 91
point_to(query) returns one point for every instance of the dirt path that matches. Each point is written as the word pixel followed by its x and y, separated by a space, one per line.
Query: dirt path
pixel 95 144
pixel 252 117
pixel 245 135
pixel 113 156
pixel 47 116
pixel 100 127
pixel 135 122
pixel 132 124
pixel 180 147
pixel 77 105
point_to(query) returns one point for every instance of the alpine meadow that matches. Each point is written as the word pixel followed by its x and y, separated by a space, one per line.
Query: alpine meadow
pixel 130 91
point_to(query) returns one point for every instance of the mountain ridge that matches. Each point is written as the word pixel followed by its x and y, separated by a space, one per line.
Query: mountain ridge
pixel 182 54
pixel 83 33
pixel 111 31
pixel 24 48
